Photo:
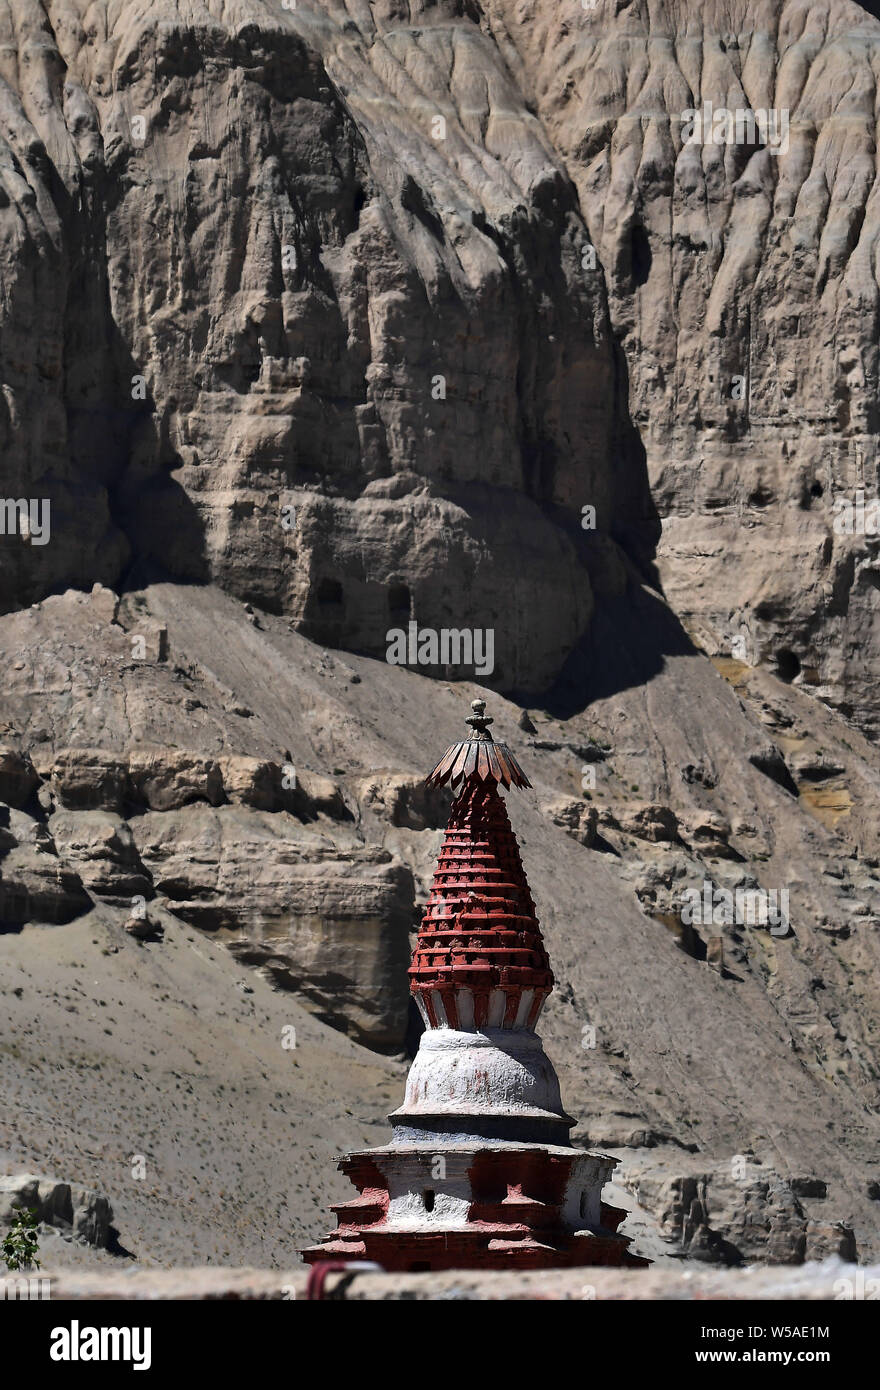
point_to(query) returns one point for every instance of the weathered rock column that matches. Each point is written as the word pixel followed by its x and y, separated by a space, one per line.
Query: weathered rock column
pixel 480 1172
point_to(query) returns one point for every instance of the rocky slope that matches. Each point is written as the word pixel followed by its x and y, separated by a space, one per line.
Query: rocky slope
pixel 732 1067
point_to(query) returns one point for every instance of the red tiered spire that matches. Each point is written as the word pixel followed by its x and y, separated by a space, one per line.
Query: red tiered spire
pixel 480 959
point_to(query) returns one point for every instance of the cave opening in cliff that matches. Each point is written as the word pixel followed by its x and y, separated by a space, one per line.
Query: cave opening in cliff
pixel 640 255
pixel 788 665
pixel 399 604
pixel 330 593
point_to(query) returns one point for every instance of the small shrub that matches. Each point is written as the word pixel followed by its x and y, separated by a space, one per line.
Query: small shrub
pixel 21 1243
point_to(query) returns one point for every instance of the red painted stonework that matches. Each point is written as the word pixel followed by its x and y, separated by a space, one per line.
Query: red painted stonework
pixel 514 1222
pixel 480 930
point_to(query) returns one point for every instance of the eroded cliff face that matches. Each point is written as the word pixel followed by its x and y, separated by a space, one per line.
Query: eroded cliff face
pixel 742 284
pixel 277 335
pixel 303 301
pixel 247 249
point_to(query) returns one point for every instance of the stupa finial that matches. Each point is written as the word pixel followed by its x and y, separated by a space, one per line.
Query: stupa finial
pixel 478 756
pixel 479 721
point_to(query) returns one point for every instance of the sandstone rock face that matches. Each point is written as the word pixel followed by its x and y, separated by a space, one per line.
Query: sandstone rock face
pixel 35 883
pixel 578 818
pixel 166 781
pixel 644 821
pixel 740 1214
pixel 742 288
pixel 332 924
pixel 710 832
pixel 313 795
pixel 90 779
pixel 18 779
pixel 403 799
pixel 251 782
pixel 100 847
pixel 291 339
pixel 77 1211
